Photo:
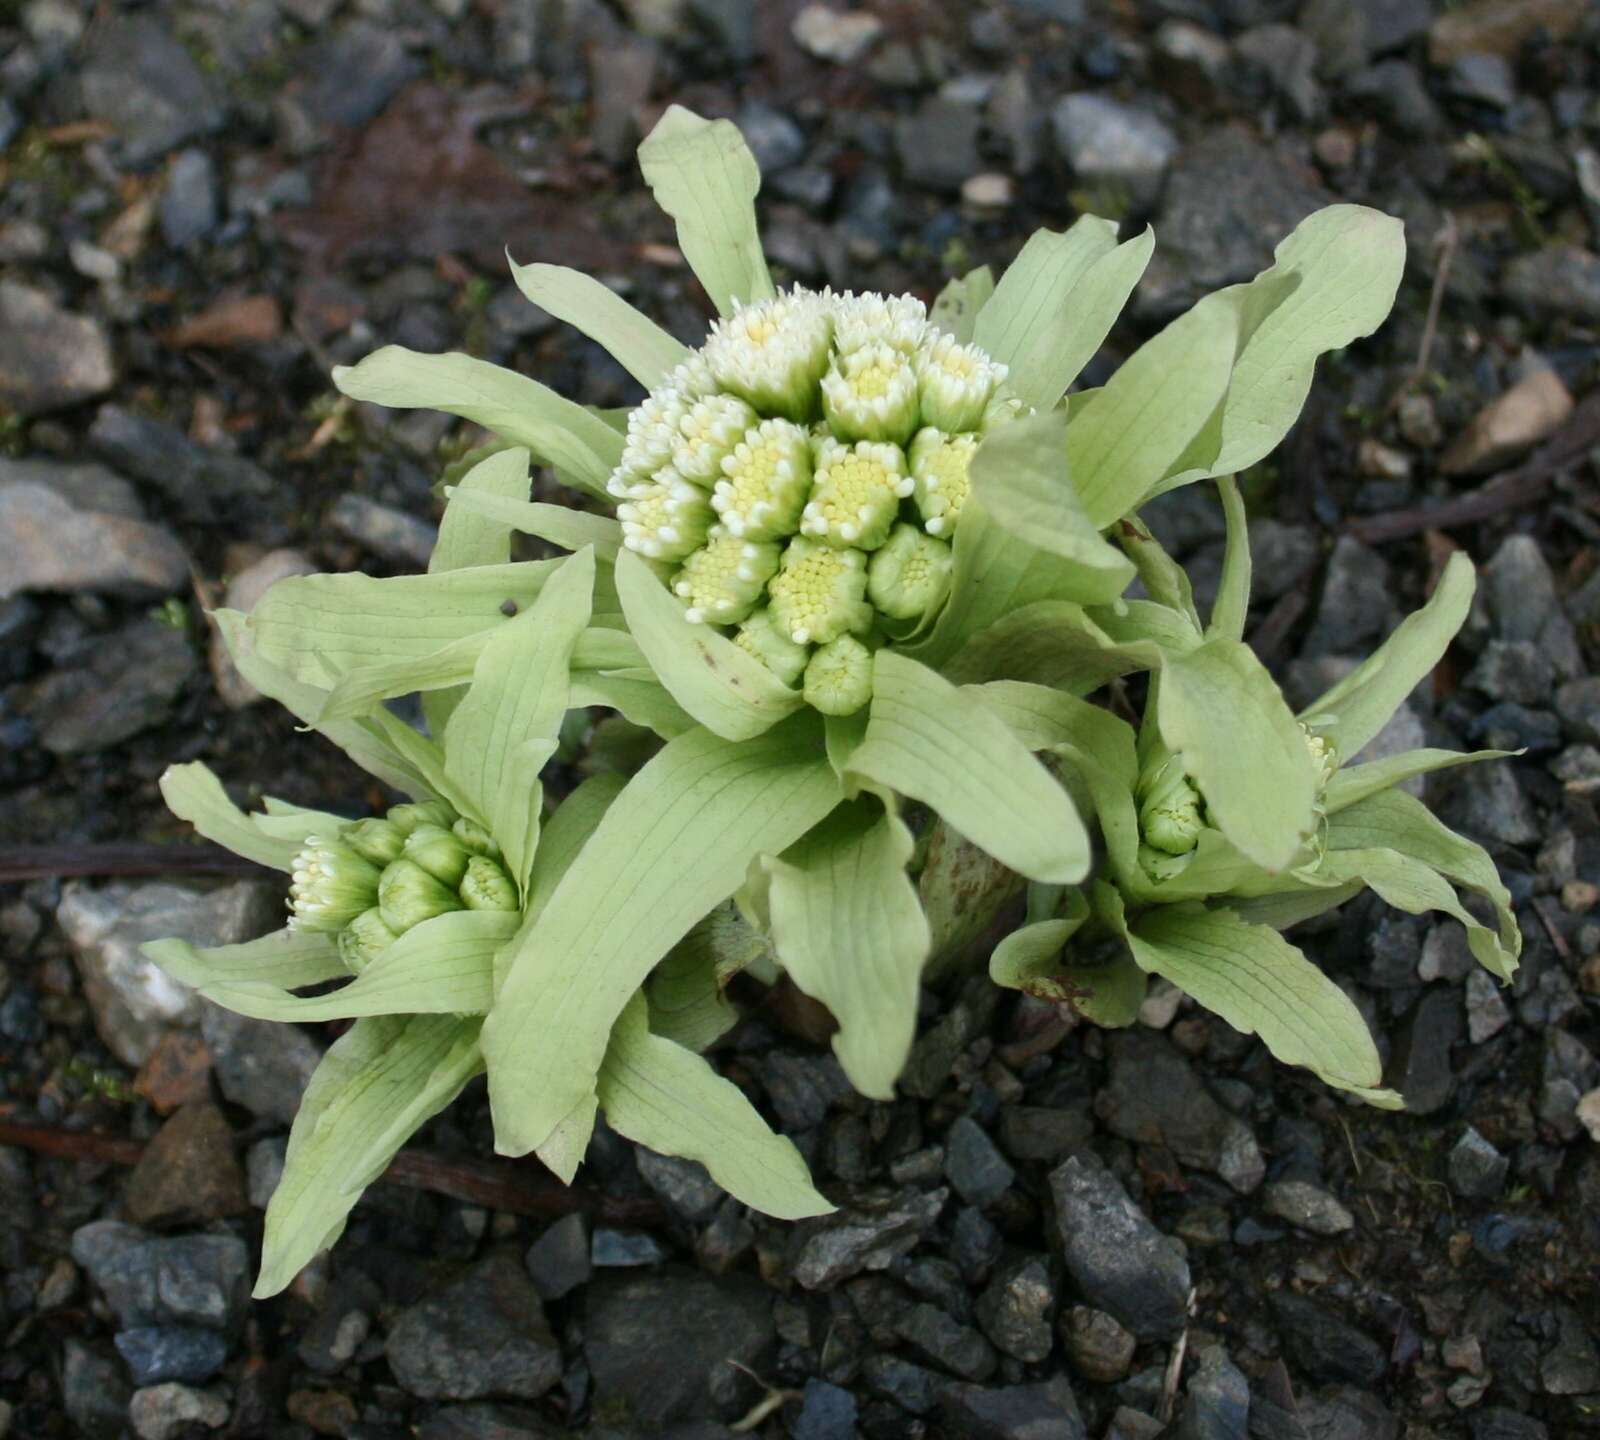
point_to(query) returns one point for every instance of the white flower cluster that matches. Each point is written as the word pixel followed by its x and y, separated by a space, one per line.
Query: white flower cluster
pixel 804 472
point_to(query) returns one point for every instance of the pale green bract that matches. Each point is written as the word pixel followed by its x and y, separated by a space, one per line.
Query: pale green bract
pixel 857 567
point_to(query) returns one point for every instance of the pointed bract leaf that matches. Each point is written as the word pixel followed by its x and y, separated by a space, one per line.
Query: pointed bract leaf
pixel 1360 705
pixel 945 747
pixel 1220 709
pixel 675 844
pixel 704 176
pixel 377 1085
pixel 957 308
pixel 850 933
pixel 669 1100
pixel 636 343
pixel 688 1002
pixel 725 688
pixel 286 959
pixel 469 535
pixel 560 524
pixel 580 445
pixel 1355 782
pixel 1056 303
pixel 194 794
pixel 1050 642
pixel 1030 959
pixel 1231 607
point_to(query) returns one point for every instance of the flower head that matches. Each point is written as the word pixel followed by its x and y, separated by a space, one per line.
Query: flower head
pixel 871 394
pixel 723 580
pixel 839 677
pixel 910 574
pixel 765 481
pixel 955 383
pixel 773 353
pixel 820 594
pixel 330 885
pixel 856 493
pixel 940 466
pixel 668 519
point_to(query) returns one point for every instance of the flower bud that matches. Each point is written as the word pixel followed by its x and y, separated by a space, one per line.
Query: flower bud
pixel 722 582
pixel 364 939
pixel 438 852
pixel 486 886
pixel 871 394
pixel 1324 758
pixel 652 434
pixel 478 840
pixel 839 677
pixel 1169 812
pixel 667 520
pixel 406 818
pixel 910 574
pixel 707 434
pixel 940 466
pixel 855 494
pixel 763 637
pixel 331 884
pixel 955 383
pixel 765 482
pixel 408 895
pixel 820 594
pixel 773 353
pixel 379 841
pixel 1159 865
pixel 899 321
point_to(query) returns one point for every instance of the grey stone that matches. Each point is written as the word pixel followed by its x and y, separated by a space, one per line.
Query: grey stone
pixel 94 1391
pixel 1354 606
pixel 51 358
pixel 1120 1262
pixel 1515 670
pixel 202 483
pixel 1216 1404
pixel 155 1353
pixel 1578 705
pixel 353 73
pixel 827 1412
pixel 188 1280
pixel 558 1261
pixel 611 1248
pixel 165 1412
pixel 683 1186
pixel 1286 58
pixel 342 1324
pixel 188 209
pixel 1487 803
pixel 1324 1344
pixel 1486 79
pixel 1228 200
pixel 127 682
pixel 187 1175
pixel 263 1168
pixel 1557 281
pixel 912 1387
pixel 1154 1097
pixel 483 1335
pixel 53 539
pixel 386 532
pixel 803 1087
pixel 973 1165
pixel 1520 594
pixel 1308 1206
pixel 491 1422
pixel 940 1338
pixel 1497 1422
pixel 1477 1170
pixel 260 1064
pixel 839 36
pixel 938 143
pixel 1016 1307
pixel 1044 1411
pixel 664 1346
pixel 1043 1132
pixel 774 138
pixel 1487 1012
pixel 1420 1068
pixel 1114 146
pixel 1572 1365
pixel 1099 1346
pixel 867 1232
pixel 1394 91
pixel 141 81
pixel 1281 556
pixel 131 998
pixel 936 1049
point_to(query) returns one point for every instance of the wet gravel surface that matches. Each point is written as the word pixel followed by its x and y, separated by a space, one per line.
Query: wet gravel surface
pixel 1055 1232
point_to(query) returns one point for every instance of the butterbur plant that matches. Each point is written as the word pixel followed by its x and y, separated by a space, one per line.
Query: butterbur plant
pixel 860 564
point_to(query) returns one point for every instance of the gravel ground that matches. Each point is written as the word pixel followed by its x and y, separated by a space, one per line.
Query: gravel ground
pixel 1055 1232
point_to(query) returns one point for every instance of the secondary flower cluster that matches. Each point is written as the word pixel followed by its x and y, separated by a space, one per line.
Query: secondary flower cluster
pixel 375 879
pixel 804 472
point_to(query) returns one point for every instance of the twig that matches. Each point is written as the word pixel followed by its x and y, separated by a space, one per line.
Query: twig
pixel 1169 1382
pixel 43 862
pixel 1507 491
pixel 1446 240
pixel 517 1189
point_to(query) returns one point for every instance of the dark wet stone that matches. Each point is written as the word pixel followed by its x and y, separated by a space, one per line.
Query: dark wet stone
pixel 488 1422
pixel 1120 1262
pixel 1554 282
pixel 1497 1422
pixel 1099 1346
pixel 1513 670
pixel 1154 1097
pixel 1307 1206
pixel 1477 1170
pixel 342 1325
pixel 774 138
pixel 802 1087
pixel 18 1208
pixel 188 1173
pixel 1519 591
pixel 1040 1132
pixel 483 1335
pixel 1216 1403
pixel 973 1165
pixel 172 1411
pixel 51 358
pixel 1015 1308
pixel 1420 1068
pixel 94 1391
pixel 139 78
pixel 1343 1413
pixel 869 1232
pixel 353 73
pixel 189 1280
pixel 683 1186
pixel 936 1049
pixel 1488 804
pixel 387 532
pixel 1572 1365
pixel 202 483
pixel 1355 604
pixel 1280 557
pixel 158 1353
pixel 827 1412
pixel 1325 1345
pixel 1045 1411
pixel 259 1064
pixel 938 143
pixel 946 1342
pixel 188 210
pixel 975 1245
pixel 659 1344
pixel 1285 59
pixel 901 1382
pixel 1578 705
pixel 558 1261
pixel 614 1249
